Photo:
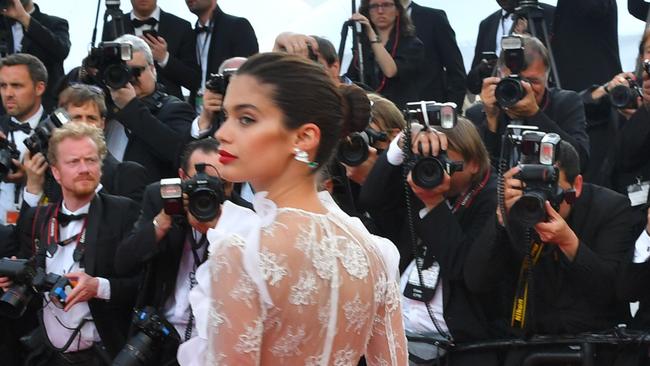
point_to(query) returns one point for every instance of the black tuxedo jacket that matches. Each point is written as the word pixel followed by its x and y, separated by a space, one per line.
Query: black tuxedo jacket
pixel 182 68
pixel 158 127
pixel 48 39
pixel 110 219
pixel 442 77
pixel 632 151
pixel 231 37
pixel 566 296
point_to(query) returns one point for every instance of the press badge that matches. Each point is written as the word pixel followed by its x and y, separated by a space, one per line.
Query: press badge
pixel 423 292
pixel 638 193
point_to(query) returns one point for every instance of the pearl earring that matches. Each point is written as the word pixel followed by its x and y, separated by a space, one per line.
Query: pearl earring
pixel 303 157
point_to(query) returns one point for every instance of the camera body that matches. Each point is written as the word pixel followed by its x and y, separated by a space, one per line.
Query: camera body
pixel 353 150
pixel 509 90
pixel 109 58
pixel 205 195
pixel 218 83
pixel 154 330
pixel 39 140
pixel 539 176
pixel 428 171
pixel 8 151
pixel 29 280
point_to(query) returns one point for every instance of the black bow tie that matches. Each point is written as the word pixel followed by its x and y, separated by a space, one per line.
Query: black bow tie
pixel 202 29
pixel 65 219
pixel 137 23
pixel 25 127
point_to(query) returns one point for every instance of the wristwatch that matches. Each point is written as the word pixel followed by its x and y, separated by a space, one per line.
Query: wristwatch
pixel 605 87
pixel 377 39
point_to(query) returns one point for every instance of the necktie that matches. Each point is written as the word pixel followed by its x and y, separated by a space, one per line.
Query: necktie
pixel 202 29
pixel 65 219
pixel 137 23
pixel 25 127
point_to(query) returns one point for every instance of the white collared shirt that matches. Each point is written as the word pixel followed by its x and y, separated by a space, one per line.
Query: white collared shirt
pixel 8 190
pixel 415 313
pixel 642 248
pixel 505 24
pixel 18 33
pixel 202 50
pixel 60 325
pixel 155 15
pixel 177 307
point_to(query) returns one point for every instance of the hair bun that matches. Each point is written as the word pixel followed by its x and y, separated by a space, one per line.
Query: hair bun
pixel 356 109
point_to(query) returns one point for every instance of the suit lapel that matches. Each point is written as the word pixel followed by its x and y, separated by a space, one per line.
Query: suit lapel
pixel 163 31
pixel 92 234
pixel 216 39
pixel 491 41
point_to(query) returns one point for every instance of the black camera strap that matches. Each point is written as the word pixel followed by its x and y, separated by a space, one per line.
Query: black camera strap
pixel 53 238
pixel 193 282
pixel 520 302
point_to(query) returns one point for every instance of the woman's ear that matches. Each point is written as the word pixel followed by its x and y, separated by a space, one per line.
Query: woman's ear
pixel 307 138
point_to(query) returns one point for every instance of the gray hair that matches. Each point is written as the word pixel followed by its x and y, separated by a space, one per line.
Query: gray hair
pixel 138 44
pixel 534 50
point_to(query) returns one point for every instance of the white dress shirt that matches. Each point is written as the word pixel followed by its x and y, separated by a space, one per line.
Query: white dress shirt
pixel 642 248
pixel 144 27
pixel 177 308
pixel 116 139
pixel 505 24
pixel 415 313
pixel 18 33
pixel 59 324
pixel 8 190
pixel 203 40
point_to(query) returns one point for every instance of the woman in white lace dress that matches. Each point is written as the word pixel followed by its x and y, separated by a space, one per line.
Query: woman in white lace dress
pixel 297 282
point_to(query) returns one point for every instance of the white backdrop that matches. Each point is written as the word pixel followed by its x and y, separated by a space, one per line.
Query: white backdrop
pixel 320 17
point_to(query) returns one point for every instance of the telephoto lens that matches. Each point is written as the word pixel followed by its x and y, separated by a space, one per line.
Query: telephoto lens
pixel 509 91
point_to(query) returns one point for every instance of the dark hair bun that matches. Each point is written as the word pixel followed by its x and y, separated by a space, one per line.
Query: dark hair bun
pixel 356 109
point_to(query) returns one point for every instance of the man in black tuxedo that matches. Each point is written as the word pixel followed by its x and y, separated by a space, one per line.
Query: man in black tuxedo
pixel 172 44
pixel 150 126
pixel 442 76
pixel 171 248
pixel 75 238
pixel 490 32
pixel 574 257
pixel 219 36
pixel 24 29
pixel 84 104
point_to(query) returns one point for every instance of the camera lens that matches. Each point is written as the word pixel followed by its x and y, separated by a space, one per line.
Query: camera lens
pixel 116 76
pixel 138 351
pixel 621 96
pixel 204 204
pixel 427 173
pixel 5 163
pixel 353 151
pixel 529 209
pixel 13 303
pixel 508 92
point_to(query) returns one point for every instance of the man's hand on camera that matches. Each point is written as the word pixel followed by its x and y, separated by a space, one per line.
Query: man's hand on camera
pixel 17 11
pixel 295 44
pixel 428 142
pixel 162 223
pixel 557 231
pixel 5 282
pixel 17 176
pixel 431 197
pixel 358 174
pixel 620 79
pixel 489 101
pixel 158 47
pixel 35 168
pixel 512 192
pixel 525 108
pixel 123 96
pixel 211 105
pixel 202 226
pixel 85 287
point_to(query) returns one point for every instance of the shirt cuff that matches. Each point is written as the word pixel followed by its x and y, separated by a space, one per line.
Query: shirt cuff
pixel 103 289
pixel 163 63
pixel 423 212
pixel 31 199
pixel 394 155
pixel 642 248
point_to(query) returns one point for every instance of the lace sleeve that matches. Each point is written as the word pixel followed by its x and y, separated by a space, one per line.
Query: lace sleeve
pixel 236 315
pixel 387 345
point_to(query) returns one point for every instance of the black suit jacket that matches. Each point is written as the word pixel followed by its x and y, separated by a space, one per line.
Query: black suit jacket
pixel 638 9
pixel 110 219
pixel 632 151
pixel 48 39
pixel 231 36
pixel 158 127
pixel 442 78
pixel 566 296
pixel 181 68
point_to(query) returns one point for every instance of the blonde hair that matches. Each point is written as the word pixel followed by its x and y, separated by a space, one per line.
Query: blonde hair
pixel 76 131
pixel 385 114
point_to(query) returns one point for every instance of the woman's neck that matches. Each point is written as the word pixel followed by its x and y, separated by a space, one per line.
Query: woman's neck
pixel 294 192
pixel 384 34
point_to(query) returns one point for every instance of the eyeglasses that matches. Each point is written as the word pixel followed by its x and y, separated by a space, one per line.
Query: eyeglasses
pixel 382 6
pixel 87 87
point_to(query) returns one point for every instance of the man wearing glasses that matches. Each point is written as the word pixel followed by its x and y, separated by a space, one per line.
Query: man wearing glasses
pixel 150 126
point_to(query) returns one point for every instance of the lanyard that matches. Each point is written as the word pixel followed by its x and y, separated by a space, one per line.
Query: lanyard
pixel 200 51
pixel 195 246
pixel 53 238
pixel 469 197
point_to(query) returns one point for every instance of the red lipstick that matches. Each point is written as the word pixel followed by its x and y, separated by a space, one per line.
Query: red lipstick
pixel 226 157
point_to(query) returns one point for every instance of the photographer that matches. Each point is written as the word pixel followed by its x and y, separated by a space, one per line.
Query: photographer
pixel 27 30
pixel 550 109
pixel 560 273
pixel 171 248
pixel 392 53
pixel 447 219
pixel 153 126
pixel 75 238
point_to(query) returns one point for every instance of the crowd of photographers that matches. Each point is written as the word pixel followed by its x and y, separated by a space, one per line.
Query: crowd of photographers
pixel 524 215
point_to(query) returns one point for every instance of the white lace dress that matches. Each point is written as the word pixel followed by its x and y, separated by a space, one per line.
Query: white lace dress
pixel 287 287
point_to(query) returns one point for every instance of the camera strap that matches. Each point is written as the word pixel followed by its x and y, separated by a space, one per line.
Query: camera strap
pixel 466 199
pixel 53 238
pixel 393 52
pixel 193 282
pixel 518 318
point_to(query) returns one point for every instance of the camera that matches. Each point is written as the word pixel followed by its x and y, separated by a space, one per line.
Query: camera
pixel 625 97
pixel 29 280
pixel 109 58
pixel 353 150
pixel 8 151
pixel 509 90
pixel 39 140
pixel 539 176
pixel 205 195
pixel 218 83
pixel 153 331
pixel 428 171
